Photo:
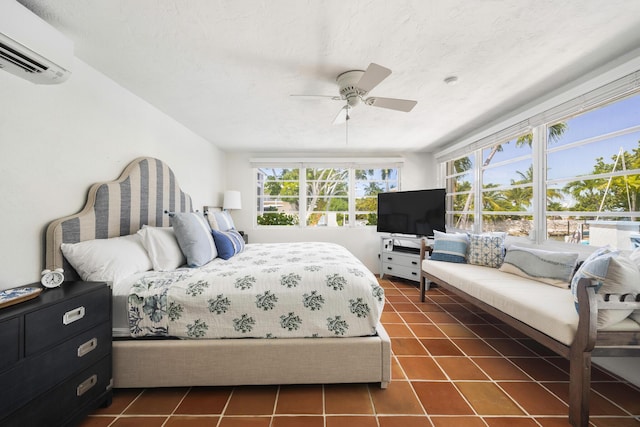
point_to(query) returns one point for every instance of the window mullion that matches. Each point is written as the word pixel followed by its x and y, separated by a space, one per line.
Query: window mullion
pixel 539 144
pixel 477 170
pixel 302 196
pixel 352 196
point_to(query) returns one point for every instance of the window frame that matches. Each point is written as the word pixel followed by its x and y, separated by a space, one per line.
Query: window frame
pixel 539 126
pixel 335 163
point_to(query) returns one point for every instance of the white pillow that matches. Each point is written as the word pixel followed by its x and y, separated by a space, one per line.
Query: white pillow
pixel 162 246
pixel 107 260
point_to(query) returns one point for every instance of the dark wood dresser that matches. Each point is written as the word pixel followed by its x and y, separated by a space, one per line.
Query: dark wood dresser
pixel 55 358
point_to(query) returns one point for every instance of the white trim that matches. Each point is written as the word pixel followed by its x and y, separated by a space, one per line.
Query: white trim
pixel 341 161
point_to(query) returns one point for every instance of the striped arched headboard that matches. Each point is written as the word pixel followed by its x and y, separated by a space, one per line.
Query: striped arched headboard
pixel 141 195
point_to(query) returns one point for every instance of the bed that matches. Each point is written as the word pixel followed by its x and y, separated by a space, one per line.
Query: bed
pixel 141 197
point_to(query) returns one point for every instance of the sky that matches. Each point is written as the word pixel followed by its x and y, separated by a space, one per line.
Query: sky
pixel 580 160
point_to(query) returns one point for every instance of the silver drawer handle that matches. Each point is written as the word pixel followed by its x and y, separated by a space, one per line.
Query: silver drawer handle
pixel 73 315
pixel 86 385
pixel 87 347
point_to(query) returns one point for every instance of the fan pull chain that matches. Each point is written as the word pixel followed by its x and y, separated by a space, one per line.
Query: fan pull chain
pixel 347 126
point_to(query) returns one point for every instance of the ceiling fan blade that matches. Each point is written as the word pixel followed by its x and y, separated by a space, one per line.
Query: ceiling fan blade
pixel 333 97
pixel 405 105
pixel 342 115
pixel 372 77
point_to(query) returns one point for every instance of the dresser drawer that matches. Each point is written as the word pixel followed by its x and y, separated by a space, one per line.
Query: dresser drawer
pixel 53 324
pixel 62 404
pixel 49 368
pixel 400 259
pixel 10 339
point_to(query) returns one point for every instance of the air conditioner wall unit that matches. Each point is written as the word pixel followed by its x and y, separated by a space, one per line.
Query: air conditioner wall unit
pixel 32 49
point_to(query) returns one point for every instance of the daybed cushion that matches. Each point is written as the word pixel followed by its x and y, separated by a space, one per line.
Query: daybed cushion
pixel 486 249
pixel 194 237
pixel 107 259
pixel 450 247
pixel 548 309
pixel 554 268
pixel 228 243
pixel 162 246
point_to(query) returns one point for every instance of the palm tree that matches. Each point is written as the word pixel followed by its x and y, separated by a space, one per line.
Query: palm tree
pixel 555 132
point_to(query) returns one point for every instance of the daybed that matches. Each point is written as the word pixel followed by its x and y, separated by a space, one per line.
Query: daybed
pixel 141 196
pixel 545 313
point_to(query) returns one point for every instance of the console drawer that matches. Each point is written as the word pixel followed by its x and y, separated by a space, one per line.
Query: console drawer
pixel 53 324
pixel 10 339
pixel 406 260
pixel 411 273
pixel 74 395
pixel 33 376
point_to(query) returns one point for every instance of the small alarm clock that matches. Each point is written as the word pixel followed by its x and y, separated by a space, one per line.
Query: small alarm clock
pixel 52 278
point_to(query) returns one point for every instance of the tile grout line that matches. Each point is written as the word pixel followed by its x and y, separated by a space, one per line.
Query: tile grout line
pixel 453 383
pixel 176 407
pixel 226 405
pixel 537 355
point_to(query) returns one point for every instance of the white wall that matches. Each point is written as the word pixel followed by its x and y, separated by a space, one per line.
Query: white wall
pixel 418 172
pixel 55 141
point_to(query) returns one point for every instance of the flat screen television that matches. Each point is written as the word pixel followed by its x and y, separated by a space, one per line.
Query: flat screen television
pixel 418 212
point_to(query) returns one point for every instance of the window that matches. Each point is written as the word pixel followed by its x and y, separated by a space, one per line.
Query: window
pixel 574 175
pixel 368 183
pixel 278 191
pixel 593 172
pixel 460 187
pixel 333 196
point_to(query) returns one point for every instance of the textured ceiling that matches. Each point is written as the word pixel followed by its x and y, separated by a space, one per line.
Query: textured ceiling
pixel 226 68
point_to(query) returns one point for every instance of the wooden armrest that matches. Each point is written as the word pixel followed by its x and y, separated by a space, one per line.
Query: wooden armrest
pixel 588 316
pixel 424 248
pixel 619 301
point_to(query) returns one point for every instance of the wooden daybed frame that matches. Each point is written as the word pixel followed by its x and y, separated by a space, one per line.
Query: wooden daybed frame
pixel 588 341
pixel 145 190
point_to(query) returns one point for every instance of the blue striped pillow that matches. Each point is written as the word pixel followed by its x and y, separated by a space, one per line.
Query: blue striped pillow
pixel 228 243
pixel 450 247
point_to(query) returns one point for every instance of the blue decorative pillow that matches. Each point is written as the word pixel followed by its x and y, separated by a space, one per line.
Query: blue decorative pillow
pixel 486 249
pixel 553 268
pixel 449 247
pixel 228 243
pixel 223 220
pixel 194 237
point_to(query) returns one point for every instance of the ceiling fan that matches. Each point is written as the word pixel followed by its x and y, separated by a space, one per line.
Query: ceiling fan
pixel 354 85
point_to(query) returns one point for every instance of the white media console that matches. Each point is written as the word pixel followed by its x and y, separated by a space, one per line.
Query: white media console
pixel 400 256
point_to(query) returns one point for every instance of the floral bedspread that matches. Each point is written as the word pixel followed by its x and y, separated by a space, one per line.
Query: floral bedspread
pixel 275 290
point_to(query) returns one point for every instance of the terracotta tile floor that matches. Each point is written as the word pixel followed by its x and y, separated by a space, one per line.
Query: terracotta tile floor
pixel 453 366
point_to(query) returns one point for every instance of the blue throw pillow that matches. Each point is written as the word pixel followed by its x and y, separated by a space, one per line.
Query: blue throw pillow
pixel 450 247
pixel 228 243
pixel 486 249
pixel 193 234
pixel 223 221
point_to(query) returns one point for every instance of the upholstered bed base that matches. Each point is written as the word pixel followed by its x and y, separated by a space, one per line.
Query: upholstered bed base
pixel 178 363
pixel 147 188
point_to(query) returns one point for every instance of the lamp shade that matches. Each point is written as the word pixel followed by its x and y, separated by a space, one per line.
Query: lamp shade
pixel 232 200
